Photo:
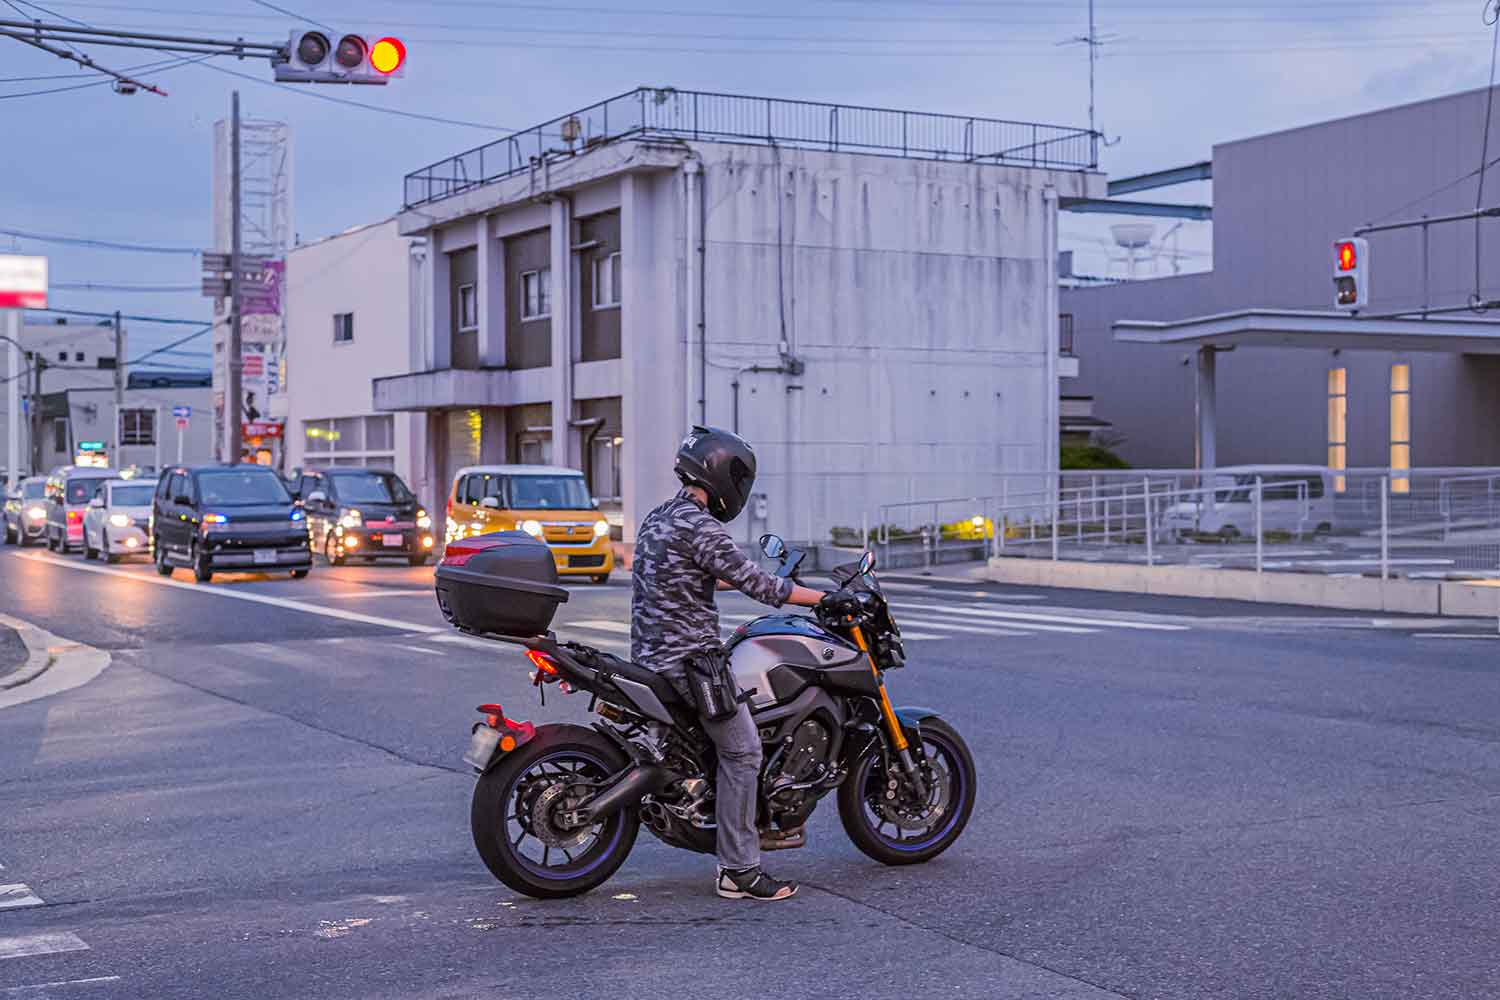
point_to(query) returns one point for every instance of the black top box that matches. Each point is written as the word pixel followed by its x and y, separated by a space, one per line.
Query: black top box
pixel 503 583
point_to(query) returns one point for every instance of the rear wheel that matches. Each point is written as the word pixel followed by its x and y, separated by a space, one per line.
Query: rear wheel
pixel 420 560
pixel 10 534
pixel 89 552
pixel 884 818
pixel 51 541
pixel 516 815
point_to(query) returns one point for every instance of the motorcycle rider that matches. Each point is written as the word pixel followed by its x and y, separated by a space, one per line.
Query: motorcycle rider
pixel 683 553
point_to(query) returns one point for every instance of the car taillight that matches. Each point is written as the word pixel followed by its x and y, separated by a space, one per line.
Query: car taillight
pixel 75 517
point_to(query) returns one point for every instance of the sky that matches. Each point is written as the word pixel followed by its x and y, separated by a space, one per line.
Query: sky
pixel 1173 77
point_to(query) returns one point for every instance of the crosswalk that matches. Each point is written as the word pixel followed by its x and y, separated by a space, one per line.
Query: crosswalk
pixel 928 618
pixel 18 944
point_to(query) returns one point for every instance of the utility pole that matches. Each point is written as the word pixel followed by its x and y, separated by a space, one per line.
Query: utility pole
pixel 38 363
pixel 119 434
pixel 13 420
pixel 234 360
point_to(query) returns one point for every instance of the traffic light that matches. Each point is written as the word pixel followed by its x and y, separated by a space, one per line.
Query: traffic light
pixel 340 57
pixel 1351 273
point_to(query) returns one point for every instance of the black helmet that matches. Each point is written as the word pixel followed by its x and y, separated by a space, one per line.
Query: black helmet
pixel 722 464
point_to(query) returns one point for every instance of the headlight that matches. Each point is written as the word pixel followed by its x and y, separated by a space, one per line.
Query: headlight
pixel 423 521
pixel 120 520
pixel 351 519
pixel 37 513
pixel 215 519
pixel 532 528
pixel 601 528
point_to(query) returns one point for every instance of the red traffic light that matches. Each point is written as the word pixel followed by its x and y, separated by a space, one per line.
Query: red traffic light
pixel 1348 259
pixel 387 55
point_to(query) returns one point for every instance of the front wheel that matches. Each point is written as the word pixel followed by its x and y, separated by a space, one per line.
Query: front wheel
pixel 203 570
pixel 159 553
pixel 883 817
pixel 518 805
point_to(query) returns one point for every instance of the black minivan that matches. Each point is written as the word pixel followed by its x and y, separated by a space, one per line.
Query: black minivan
pixel 217 518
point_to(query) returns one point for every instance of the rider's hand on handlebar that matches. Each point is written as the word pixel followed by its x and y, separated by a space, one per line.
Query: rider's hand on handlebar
pixel 837 604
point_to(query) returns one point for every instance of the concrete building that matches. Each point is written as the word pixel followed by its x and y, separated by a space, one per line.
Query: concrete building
pixel 349 319
pixel 1313 389
pixel 72 418
pixel 869 296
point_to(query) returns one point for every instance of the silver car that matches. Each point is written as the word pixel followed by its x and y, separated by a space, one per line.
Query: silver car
pixel 116 522
pixel 26 512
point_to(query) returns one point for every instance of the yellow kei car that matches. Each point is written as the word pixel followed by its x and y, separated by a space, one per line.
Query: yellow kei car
pixel 545 501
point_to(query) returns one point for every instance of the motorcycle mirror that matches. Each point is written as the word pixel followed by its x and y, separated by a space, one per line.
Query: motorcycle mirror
pixel 866 563
pixel 772 546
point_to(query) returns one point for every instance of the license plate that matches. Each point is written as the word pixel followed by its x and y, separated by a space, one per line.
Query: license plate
pixel 264 556
pixel 482 747
pixel 391 541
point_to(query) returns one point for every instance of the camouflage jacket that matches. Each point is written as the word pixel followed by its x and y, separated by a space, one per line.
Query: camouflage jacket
pixel 680 553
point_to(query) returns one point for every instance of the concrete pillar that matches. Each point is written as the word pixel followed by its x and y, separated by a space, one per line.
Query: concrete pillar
pixel 565 448
pixel 439 308
pixel 491 279
pixel 1205 445
pixel 433 491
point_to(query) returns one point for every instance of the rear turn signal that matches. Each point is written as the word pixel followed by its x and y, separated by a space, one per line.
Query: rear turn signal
pixel 542 662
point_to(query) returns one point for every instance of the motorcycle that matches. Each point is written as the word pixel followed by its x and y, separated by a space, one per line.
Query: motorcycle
pixel 557 807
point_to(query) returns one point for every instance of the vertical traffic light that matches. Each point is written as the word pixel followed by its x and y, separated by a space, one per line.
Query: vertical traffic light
pixel 1351 273
pixel 339 57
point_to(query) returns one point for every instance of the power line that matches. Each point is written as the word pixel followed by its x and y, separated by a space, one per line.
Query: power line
pixel 299 17
pixel 164 320
pixel 81 241
pixel 99 286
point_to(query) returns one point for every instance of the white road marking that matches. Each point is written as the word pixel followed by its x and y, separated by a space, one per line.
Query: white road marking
pixel 946 591
pixel 60 983
pixel 49 943
pixel 457 639
pixel 1455 635
pixel 995 629
pixel 426 650
pixel 16 895
pixel 352 595
pixel 199 588
pixel 1026 619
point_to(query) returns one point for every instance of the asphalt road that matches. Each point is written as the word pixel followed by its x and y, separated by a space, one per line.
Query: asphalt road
pixel 262 796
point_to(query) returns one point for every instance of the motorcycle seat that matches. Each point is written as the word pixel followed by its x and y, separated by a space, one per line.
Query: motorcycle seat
pixel 663 688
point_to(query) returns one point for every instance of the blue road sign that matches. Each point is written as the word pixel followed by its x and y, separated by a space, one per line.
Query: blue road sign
pixel 182 411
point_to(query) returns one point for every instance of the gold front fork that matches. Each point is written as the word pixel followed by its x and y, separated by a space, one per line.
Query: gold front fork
pixel 892 724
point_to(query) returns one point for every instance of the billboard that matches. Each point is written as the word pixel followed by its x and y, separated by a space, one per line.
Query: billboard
pixel 23 282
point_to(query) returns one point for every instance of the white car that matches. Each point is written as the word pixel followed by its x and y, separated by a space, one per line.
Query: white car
pixel 117 519
pixel 1295 499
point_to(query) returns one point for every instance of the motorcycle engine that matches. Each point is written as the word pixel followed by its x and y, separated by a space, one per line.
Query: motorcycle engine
pixel 806 760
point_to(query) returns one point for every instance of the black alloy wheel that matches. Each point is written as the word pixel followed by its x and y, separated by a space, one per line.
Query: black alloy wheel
pixel 202 569
pixel 159 554
pixel 518 816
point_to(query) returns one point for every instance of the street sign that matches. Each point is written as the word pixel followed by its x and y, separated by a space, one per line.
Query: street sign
pixel 91 446
pixel 261 429
pixel 182 412
pixel 182 423
pixel 23 282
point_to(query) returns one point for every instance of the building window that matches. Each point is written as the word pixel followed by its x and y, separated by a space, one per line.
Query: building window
pixel 607 281
pixel 137 427
pixel 352 440
pixel 1338 429
pixel 1401 428
pixel 104 362
pixel 606 478
pixel 60 435
pixel 78 356
pixel 343 328
pixel 468 307
pixel 536 294
pixel 1065 333
pixel 62 355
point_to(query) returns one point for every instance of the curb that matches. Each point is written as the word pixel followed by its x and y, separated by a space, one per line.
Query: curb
pixel 55 665
pixel 42 647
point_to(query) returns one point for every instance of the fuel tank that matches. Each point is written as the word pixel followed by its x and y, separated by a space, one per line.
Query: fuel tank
pixel 779 655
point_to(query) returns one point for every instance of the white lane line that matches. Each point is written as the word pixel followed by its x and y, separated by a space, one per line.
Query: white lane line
pixel 618 628
pixel 929 635
pixel 58 984
pixel 16 895
pixel 456 639
pixel 426 650
pixel 199 588
pixel 1454 635
pixel 50 943
pixel 354 595
pixel 996 629
pixel 1025 619
pixel 950 592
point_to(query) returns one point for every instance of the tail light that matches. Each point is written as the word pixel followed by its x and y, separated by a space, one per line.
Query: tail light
pixel 542 662
pixel 494 717
pixel 75 517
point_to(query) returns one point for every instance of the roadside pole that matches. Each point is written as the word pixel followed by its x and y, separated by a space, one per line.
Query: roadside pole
pixel 156 440
pixel 118 437
pixel 14 376
pixel 1260 552
pixel 233 359
pixel 1385 527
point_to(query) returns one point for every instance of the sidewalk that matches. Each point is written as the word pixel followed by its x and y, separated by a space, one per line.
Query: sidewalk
pixel 13 651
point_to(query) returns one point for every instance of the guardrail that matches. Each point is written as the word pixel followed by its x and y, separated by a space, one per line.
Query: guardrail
pixel 703 115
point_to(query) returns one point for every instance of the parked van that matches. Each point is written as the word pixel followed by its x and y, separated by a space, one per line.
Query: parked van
pixel 545 501
pixel 1295 499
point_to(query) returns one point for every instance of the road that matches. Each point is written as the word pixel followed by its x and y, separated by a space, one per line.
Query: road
pixel 262 796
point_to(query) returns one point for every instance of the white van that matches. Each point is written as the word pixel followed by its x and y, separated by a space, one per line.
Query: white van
pixel 1295 499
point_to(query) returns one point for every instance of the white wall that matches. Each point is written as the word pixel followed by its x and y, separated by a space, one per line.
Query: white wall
pixel 364 271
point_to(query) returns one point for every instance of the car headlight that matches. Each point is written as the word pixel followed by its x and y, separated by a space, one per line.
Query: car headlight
pixel 601 528
pixel 532 528
pixel 119 520
pixel 423 521
pixel 36 513
pixel 215 519
pixel 351 519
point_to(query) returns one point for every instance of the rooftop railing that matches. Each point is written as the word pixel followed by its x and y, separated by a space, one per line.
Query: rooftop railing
pixel 685 114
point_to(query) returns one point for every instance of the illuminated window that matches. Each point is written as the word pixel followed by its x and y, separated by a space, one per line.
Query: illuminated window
pixel 1400 428
pixel 1338 415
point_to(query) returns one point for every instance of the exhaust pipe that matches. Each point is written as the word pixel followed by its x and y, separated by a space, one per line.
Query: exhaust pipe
pixel 648 779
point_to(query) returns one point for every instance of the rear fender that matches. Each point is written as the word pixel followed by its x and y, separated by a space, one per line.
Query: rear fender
pixel 494 737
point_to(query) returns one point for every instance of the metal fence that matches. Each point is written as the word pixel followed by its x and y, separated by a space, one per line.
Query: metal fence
pixel 687 114
pixel 1423 523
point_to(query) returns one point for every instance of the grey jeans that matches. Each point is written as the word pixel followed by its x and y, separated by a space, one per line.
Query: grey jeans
pixel 738 782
